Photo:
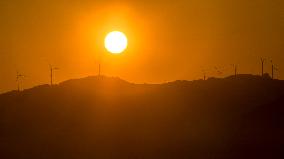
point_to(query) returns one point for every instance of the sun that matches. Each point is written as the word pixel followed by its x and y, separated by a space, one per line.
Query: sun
pixel 116 42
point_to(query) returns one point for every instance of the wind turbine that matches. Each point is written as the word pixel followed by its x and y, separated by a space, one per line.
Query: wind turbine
pixel 204 74
pixel 19 78
pixel 273 69
pixel 52 69
pixel 235 66
pixel 262 65
pixel 276 69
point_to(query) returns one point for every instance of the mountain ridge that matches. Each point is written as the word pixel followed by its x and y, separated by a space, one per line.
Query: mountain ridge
pixel 98 79
pixel 105 118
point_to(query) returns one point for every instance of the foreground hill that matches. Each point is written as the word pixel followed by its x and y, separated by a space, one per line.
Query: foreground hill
pixel 108 118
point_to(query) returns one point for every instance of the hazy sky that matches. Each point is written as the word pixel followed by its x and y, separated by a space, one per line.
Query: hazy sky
pixel 168 40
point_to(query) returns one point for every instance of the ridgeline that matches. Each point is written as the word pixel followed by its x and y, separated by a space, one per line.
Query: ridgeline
pixel 109 118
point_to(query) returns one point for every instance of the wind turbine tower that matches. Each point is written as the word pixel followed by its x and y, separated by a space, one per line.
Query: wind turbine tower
pixel 273 69
pixel 204 74
pixel 52 69
pixel 262 65
pixel 236 71
pixel 19 78
pixel 235 66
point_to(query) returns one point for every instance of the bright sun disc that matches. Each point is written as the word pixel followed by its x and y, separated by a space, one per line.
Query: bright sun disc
pixel 116 42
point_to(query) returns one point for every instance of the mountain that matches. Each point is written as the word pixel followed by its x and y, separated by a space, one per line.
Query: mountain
pixel 109 118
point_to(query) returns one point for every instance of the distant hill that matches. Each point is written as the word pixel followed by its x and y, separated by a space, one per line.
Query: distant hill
pixel 109 118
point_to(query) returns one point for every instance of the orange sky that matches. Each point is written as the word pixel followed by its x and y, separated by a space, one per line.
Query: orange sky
pixel 168 40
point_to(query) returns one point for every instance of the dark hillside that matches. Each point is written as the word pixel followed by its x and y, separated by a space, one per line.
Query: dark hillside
pixel 105 118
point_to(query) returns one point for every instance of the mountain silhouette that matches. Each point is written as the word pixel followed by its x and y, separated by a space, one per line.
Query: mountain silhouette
pixel 109 118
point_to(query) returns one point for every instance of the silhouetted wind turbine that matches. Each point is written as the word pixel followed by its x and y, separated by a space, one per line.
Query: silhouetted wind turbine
pixel 276 69
pixel 19 78
pixel 262 65
pixel 52 69
pixel 235 66
pixel 273 68
pixel 204 74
